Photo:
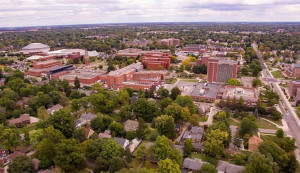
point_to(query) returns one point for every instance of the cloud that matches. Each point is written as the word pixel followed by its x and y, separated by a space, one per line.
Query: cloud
pixel 60 12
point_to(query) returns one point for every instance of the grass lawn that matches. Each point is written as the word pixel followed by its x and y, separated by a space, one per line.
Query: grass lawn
pixel 276 74
pixel 171 81
pixel 135 163
pixel 234 123
pixel 265 125
pixel 203 118
pixel 144 142
pixel 150 132
pixel 204 158
pixel 189 80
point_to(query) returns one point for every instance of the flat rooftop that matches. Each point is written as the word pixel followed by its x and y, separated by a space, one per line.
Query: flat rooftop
pixel 82 73
pixel 245 92
pixel 47 62
pixel 206 90
pixel 126 69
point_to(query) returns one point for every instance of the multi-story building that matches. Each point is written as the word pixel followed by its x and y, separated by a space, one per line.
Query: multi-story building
pixel 43 67
pixel 157 60
pixel 194 48
pixel 221 70
pixel 292 70
pixel 169 42
pixel 293 86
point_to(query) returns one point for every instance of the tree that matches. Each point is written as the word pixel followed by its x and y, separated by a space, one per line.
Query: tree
pixel 162 92
pixel 145 109
pixel 116 129
pixel 214 143
pixel 162 149
pixel 101 103
pixel 186 101
pixel 101 165
pixel 55 96
pixel 105 148
pixel 165 126
pixel 80 135
pixel 42 113
pixel 248 126
pixel 116 164
pixel 280 133
pixel 140 132
pixel 21 164
pixel 10 138
pixel 168 166
pixel 165 103
pixel 208 168
pixel 241 101
pixel 174 93
pixel 200 69
pixel 256 82
pixel 187 147
pixel 46 152
pixel 233 81
pixel 26 136
pixel 77 83
pixel 278 154
pixel 97 124
pixel 64 122
pixel 142 152
pixel 175 111
pixel 260 164
pixel 194 120
pixel 68 155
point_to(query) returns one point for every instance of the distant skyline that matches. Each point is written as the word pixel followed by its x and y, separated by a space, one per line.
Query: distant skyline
pixel 16 13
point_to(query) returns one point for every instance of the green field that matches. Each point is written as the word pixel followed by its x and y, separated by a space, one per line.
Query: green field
pixel 171 81
pixel 277 74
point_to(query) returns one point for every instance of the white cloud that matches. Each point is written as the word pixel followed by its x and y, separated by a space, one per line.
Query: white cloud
pixel 59 12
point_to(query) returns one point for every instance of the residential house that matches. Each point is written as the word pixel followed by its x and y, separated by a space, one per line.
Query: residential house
pixel 106 134
pixel 133 99
pixel 131 125
pixel 86 92
pixel 195 134
pixel 192 164
pixel 54 108
pixel 254 142
pixel 134 144
pixel 89 131
pixel 85 118
pixel 123 142
pixel 226 167
pixel 22 120
pixel 36 163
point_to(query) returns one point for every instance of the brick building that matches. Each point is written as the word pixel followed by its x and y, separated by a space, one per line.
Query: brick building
pixel 43 67
pixel 157 60
pixel 293 86
pixel 292 70
pixel 169 42
pixel 221 70
pixel 194 48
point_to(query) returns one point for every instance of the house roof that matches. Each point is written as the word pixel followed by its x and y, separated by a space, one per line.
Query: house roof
pixel 88 116
pixel 121 141
pixel 23 117
pixel 36 163
pixel 131 125
pixel 254 142
pixel 54 108
pixel 15 154
pixel 229 168
pixel 197 146
pixel 193 164
pixel 196 130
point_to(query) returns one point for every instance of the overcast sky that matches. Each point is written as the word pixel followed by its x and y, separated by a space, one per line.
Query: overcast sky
pixel 61 12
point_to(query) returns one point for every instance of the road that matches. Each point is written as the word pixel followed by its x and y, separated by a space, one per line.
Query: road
pixel 209 121
pixel 289 114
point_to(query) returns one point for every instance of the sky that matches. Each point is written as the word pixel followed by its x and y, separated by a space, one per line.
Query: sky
pixel 14 13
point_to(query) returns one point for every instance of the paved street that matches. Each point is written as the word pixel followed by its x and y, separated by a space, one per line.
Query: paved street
pixel 289 114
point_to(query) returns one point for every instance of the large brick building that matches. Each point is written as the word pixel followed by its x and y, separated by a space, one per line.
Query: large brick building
pixel 249 95
pixel 43 67
pixel 221 70
pixel 292 70
pixel 293 86
pixel 169 42
pixel 157 60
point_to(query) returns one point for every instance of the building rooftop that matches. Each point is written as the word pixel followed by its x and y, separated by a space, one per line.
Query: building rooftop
pixel 224 166
pixel 206 90
pixel 126 69
pixel 35 46
pixel 193 164
pixel 47 62
pixel 246 93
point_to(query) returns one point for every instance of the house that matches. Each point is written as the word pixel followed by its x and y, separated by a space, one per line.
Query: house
pixel 254 142
pixel 203 108
pixel 134 144
pixel 106 134
pixel 22 120
pixel 54 108
pixel 224 166
pixel 121 141
pixel 85 118
pixel 131 125
pixel 192 164
pixel 195 134
pixel 89 131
